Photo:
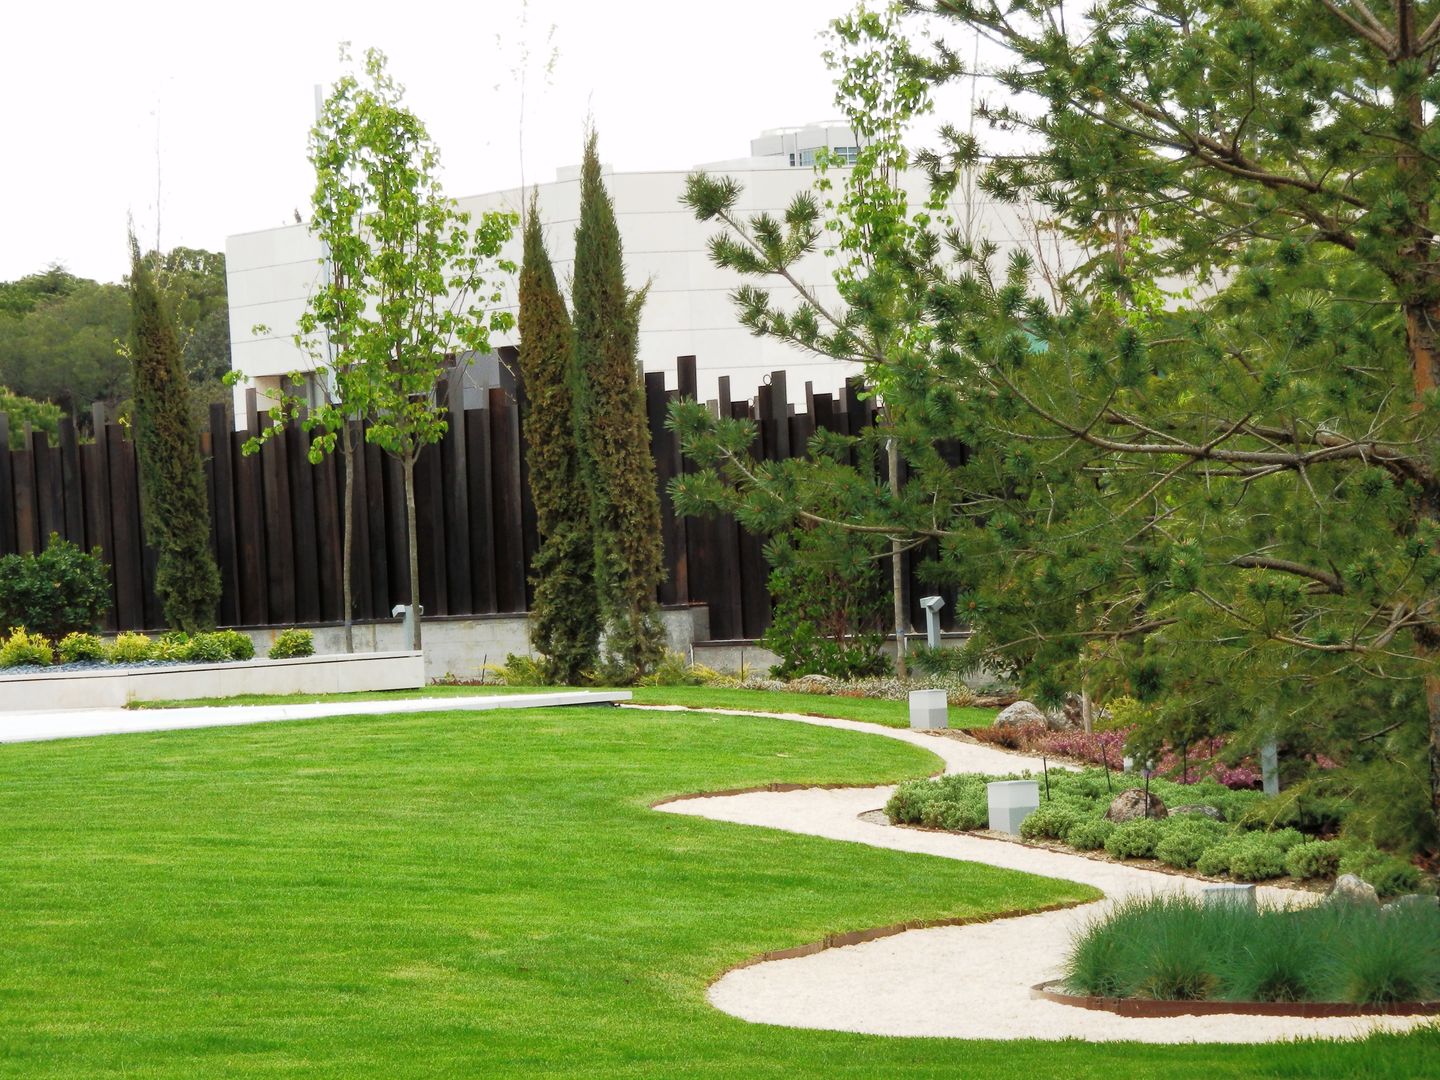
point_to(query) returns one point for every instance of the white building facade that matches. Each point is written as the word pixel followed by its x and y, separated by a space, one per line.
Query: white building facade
pixel 273 272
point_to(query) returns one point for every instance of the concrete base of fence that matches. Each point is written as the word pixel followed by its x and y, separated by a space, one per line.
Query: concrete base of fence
pixel 303 675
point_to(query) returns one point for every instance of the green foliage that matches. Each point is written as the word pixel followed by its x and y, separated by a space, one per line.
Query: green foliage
pixel 238 646
pixel 1389 875
pixel 522 671
pixel 130 648
pixel 565 613
pixel 167 442
pixel 1179 948
pixel 291 643
pixel 1052 821
pixel 1135 839
pixel 1185 840
pixel 76 647
pixel 675 670
pixel 1314 859
pixel 947 802
pixel 56 591
pixel 1257 858
pixel 1089 834
pixel 221 646
pixel 42 417
pixel 829 604
pixel 23 647
pixel 408 279
pixel 614 436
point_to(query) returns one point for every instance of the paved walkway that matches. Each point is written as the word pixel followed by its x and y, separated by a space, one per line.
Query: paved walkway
pixel 962 981
pixel 77 723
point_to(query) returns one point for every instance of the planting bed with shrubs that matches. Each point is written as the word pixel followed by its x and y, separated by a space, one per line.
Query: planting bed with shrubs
pixel 1242 842
pixel 78 651
pixel 1180 949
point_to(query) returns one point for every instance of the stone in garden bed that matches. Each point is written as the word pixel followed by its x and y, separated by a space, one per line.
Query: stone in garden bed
pixel 1131 804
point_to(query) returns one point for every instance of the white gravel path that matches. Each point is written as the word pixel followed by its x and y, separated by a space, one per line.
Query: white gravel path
pixel 970 982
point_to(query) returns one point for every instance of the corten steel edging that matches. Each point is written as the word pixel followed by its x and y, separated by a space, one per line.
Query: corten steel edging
pixel 1308 1010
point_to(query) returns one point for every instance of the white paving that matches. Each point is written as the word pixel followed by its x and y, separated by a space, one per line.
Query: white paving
pixel 79 723
pixel 970 982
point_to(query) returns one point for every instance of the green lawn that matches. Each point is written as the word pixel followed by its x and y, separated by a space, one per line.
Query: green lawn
pixel 481 895
pixel 889 713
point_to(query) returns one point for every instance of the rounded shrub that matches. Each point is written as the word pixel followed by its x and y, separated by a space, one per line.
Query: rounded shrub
pixel 25 649
pixel 1089 834
pixel 206 649
pixel 1215 860
pixel 1315 859
pixel 238 646
pixel 1180 848
pixel 292 643
pixel 131 648
pixel 1389 875
pixel 1050 822
pixel 76 647
pixel 1135 839
pixel 1257 858
pixel 56 591
pixel 173 645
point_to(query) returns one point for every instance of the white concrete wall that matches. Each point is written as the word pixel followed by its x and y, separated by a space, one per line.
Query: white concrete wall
pixel 271 274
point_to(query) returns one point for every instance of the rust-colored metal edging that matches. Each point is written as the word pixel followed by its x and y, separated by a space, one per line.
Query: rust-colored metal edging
pixel 1310 1010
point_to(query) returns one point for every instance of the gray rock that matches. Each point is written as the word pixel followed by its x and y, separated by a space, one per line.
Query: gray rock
pixel 1022 712
pixel 1349 889
pixel 1130 804
pixel 1201 811
pixel 1401 903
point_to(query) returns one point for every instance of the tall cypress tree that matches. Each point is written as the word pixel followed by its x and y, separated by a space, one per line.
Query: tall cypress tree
pixel 625 507
pixel 565 614
pixel 177 512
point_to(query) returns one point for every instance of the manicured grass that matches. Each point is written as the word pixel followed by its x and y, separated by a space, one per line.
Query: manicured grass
pixel 481 895
pixel 889 713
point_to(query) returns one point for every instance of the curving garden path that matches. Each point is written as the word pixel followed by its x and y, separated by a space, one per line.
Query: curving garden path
pixel 969 981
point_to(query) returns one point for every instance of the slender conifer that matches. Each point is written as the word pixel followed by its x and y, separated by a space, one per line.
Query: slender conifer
pixel 172 475
pixel 565 614
pixel 614 437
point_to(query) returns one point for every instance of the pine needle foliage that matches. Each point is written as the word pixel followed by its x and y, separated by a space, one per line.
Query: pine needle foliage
pixel 620 471
pixel 565 614
pixel 177 512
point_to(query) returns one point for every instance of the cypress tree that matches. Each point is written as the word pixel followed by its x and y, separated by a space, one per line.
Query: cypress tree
pixel 615 440
pixel 177 513
pixel 565 615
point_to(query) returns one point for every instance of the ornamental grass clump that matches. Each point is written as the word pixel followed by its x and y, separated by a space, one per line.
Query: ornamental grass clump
pixel 1178 948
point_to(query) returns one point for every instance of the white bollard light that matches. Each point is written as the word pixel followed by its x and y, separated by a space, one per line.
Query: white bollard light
pixel 929 710
pixel 1011 802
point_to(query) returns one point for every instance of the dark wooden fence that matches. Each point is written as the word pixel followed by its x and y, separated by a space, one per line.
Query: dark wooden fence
pixel 277 524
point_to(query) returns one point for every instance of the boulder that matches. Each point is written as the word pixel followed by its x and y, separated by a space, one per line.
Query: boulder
pixel 1349 889
pixel 1069 717
pixel 1022 712
pixel 1130 804
pixel 1201 811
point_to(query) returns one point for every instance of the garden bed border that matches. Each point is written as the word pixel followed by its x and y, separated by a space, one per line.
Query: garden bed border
pixel 1152 1009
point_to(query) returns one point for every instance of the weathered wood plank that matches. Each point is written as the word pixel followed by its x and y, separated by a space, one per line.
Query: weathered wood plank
pixel 505 481
pixel 301 477
pixel 482 516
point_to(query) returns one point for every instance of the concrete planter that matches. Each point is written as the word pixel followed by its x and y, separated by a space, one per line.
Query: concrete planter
pixel 1010 803
pixel 105 687
pixel 929 710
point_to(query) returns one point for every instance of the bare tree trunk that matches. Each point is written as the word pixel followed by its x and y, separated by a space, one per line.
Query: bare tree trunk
pixel 897 568
pixel 348 598
pixel 409 462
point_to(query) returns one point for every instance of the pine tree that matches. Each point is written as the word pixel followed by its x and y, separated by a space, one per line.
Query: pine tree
pixel 177 514
pixel 565 616
pixel 625 506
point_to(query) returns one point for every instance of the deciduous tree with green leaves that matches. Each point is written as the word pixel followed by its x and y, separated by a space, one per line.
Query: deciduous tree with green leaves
pixel 167 442
pixel 1222 499
pixel 615 441
pixel 409 276
pixel 565 614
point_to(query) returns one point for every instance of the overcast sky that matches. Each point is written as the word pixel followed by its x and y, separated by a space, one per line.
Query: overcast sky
pixel 212 103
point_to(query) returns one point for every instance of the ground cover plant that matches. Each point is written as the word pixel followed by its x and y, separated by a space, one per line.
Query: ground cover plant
pixel 475 896
pixel 1179 948
pixel 21 649
pixel 1216 831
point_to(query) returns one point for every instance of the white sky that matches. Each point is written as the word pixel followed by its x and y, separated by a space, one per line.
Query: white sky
pixel 217 99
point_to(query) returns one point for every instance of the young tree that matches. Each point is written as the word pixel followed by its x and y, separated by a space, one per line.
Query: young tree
pixel 177 514
pixel 565 616
pixel 409 276
pixel 615 443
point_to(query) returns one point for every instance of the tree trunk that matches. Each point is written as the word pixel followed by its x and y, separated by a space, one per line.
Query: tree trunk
pixel 897 567
pixel 347 559
pixel 409 462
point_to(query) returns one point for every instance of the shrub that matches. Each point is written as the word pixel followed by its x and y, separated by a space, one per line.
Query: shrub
pixel 206 649
pixel 76 647
pixel 1089 834
pixel 238 646
pixel 1050 822
pixel 1135 839
pixel 1315 859
pixel 522 671
pixel 1180 948
pixel 1215 860
pixel 23 648
pixel 1257 858
pixel 1181 848
pixel 292 643
pixel 131 648
pixel 1389 875
pixel 173 645
pixel 55 592
pixel 673 670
